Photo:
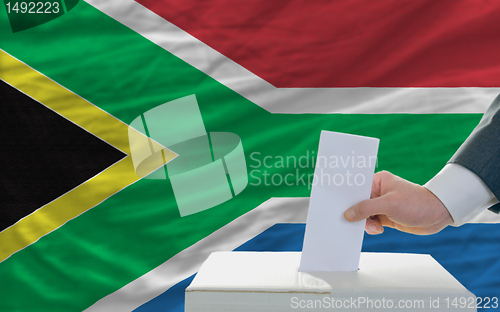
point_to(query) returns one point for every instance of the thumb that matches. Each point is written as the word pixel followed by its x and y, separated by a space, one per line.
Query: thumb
pixel 367 208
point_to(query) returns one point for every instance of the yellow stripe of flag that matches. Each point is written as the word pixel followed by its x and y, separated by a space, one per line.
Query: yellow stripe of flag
pixel 91 118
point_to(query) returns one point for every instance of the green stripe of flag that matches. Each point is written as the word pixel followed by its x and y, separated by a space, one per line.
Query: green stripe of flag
pixel 139 228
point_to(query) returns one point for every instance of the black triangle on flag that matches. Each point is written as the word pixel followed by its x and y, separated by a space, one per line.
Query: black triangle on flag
pixel 43 155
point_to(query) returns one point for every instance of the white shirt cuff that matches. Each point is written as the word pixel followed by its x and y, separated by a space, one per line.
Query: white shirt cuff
pixel 462 192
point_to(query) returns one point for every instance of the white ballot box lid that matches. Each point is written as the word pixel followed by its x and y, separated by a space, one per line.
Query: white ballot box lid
pixel 270 281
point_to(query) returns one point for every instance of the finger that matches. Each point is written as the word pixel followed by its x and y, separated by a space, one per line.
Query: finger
pixel 379 179
pixel 367 208
pixel 373 226
pixel 386 221
pixel 376 188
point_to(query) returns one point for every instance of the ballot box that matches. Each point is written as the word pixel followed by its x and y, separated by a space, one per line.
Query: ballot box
pixel 271 282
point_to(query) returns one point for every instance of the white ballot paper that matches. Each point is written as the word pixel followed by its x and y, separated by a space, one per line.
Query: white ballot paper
pixel 343 176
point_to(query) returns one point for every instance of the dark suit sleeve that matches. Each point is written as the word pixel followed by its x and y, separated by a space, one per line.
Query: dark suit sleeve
pixel 480 153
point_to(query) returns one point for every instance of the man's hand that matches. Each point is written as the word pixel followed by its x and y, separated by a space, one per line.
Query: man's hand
pixel 400 204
